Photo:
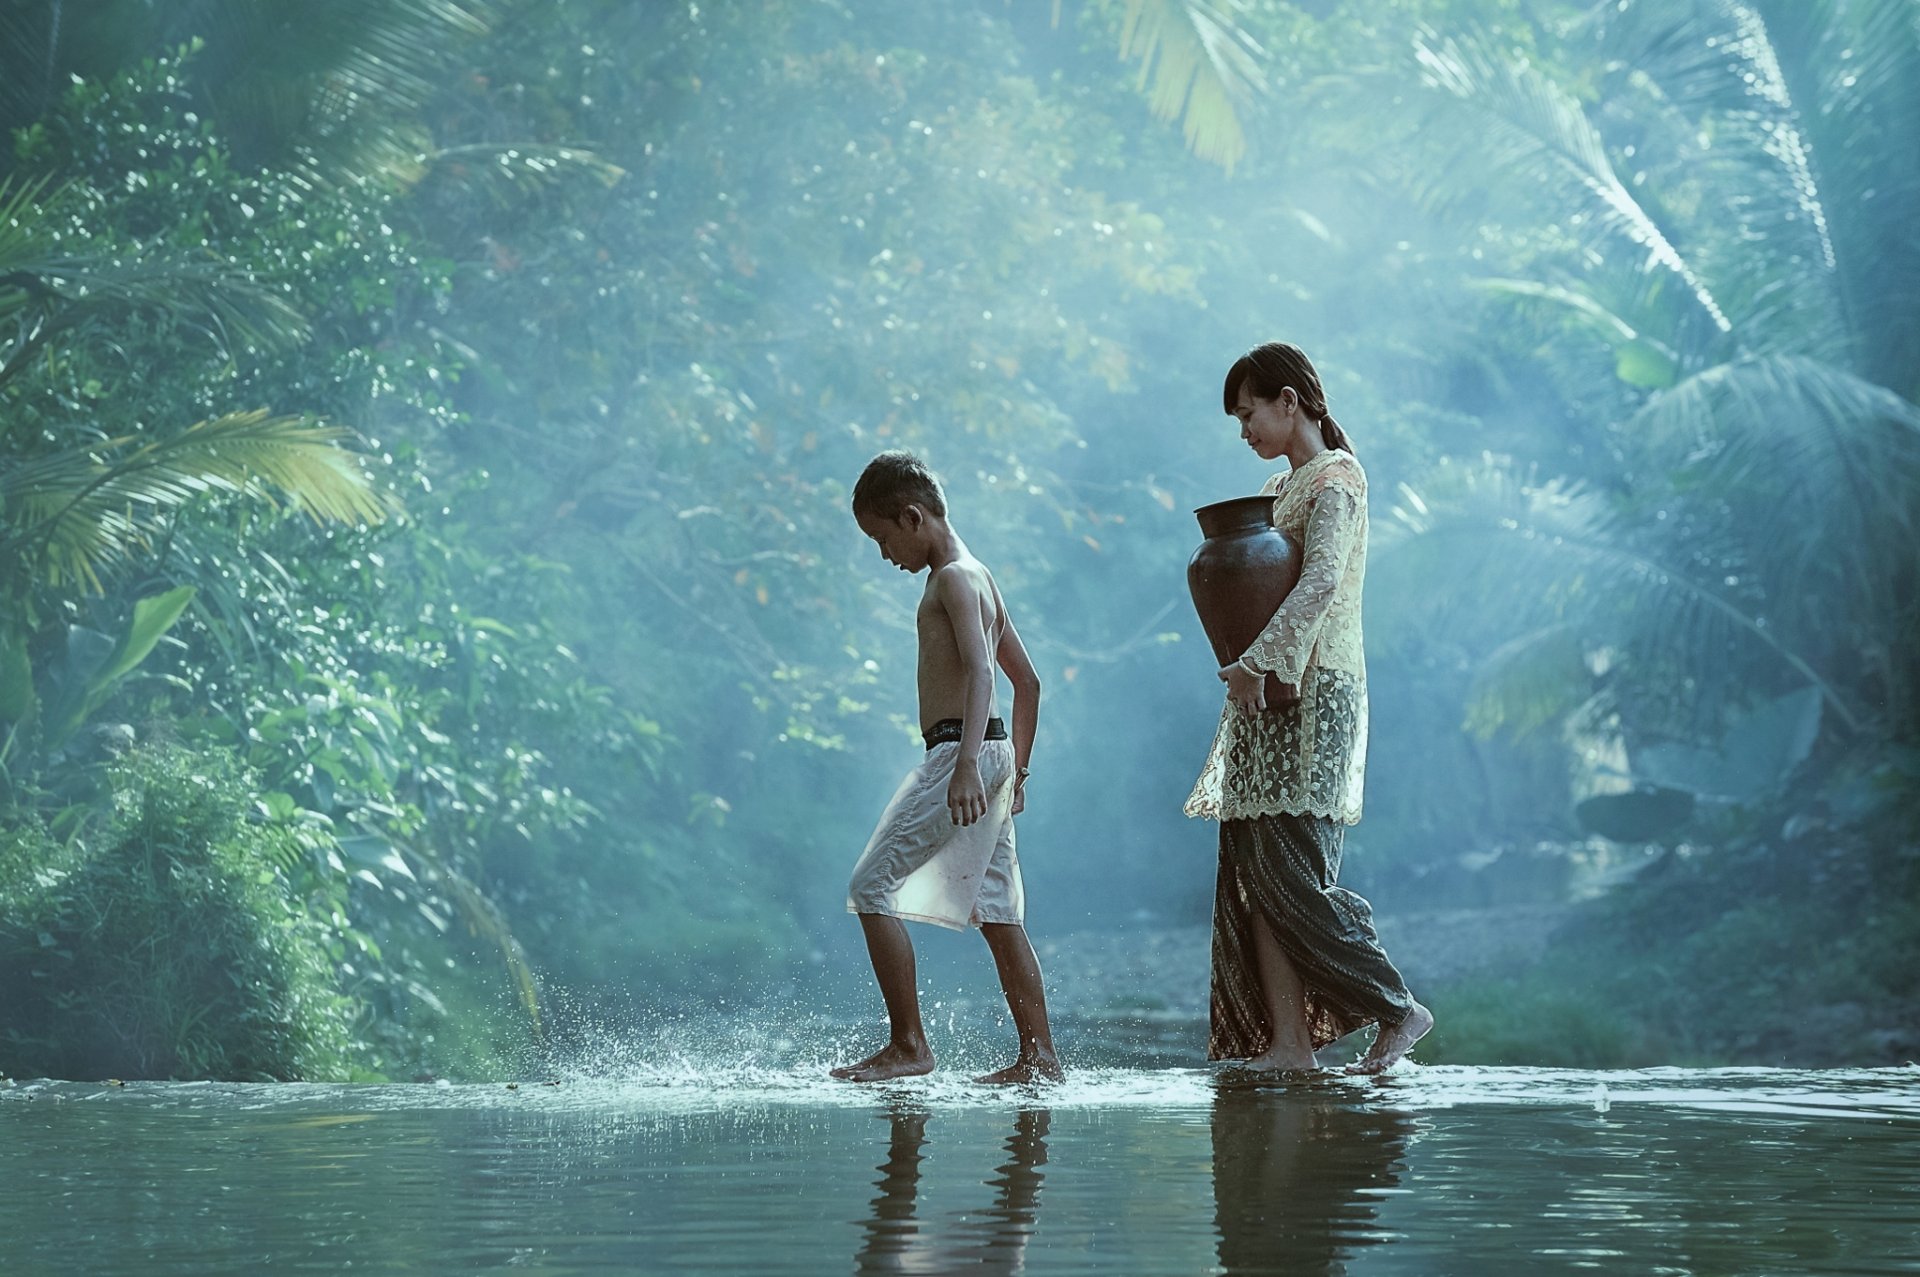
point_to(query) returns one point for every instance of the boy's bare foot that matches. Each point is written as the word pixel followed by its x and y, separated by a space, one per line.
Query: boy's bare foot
pixel 1026 1069
pixel 890 1061
pixel 1392 1043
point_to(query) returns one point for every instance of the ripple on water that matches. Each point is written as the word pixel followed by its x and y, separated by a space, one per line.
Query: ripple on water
pixel 681 1087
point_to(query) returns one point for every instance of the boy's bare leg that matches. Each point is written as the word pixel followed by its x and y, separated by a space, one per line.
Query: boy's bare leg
pixel 906 1053
pixel 1019 970
pixel 1290 1046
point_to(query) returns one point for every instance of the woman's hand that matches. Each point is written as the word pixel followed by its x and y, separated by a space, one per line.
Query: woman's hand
pixel 1247 690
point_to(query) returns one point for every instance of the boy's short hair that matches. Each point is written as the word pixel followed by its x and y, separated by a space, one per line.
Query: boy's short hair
pixel 892 481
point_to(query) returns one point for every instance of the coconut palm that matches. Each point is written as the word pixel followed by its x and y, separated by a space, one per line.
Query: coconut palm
pixel 1730 201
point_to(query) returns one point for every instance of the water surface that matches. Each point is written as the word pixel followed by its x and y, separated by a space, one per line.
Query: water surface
pixel 676 1169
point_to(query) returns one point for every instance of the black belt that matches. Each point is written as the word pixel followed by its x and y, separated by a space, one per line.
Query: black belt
pixel 949 730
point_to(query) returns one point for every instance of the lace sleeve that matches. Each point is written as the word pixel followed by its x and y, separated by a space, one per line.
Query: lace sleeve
pixel 1333 527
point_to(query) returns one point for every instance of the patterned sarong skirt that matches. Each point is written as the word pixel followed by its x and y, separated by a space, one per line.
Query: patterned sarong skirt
pixel 1282 868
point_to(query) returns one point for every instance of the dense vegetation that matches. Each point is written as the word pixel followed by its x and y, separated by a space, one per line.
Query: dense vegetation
pixel 427 601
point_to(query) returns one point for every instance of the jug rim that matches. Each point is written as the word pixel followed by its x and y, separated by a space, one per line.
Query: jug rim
pixel 1235 514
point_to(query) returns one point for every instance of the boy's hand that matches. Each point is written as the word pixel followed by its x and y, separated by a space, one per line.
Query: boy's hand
pixel 1019 795
pixel 966 796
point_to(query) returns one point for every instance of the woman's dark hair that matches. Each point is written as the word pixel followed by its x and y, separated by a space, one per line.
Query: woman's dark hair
pixel 894 480
pixel 1269 369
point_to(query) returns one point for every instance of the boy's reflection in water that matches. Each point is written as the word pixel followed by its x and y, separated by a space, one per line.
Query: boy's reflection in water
pixel 1297 1177
pixel 993 1240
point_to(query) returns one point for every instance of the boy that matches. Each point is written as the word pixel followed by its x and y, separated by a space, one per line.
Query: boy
pixel 943 851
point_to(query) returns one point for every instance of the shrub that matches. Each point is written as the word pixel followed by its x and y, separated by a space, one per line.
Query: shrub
pixel 171 946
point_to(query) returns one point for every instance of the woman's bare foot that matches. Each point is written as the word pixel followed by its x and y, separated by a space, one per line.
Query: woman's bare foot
pixel 1028 1068
pixel 1279 1061
pixel 890 1061
pixel 1392 1043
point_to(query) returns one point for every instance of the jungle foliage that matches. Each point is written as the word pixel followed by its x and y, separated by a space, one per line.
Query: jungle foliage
pixel 426 429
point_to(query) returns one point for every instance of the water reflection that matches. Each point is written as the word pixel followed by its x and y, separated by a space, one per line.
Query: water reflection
pixel 895 1239
pixel 1297 1177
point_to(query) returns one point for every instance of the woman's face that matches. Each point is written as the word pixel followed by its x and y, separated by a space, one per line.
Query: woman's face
pixel 1267 425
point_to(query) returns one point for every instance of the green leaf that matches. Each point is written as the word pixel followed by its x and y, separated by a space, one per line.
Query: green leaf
pixel 1640 363
pixel 153 616
pixel 91 674
pixel 1756 755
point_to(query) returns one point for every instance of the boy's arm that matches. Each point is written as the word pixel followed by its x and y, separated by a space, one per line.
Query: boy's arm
pixel 1012 657
pixel 961 597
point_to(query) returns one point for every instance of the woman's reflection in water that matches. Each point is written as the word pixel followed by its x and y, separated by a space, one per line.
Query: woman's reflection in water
pixel 993 1240
pixel 1297 1177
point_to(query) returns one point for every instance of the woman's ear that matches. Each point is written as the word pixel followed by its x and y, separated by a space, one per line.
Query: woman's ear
pixel 1289 398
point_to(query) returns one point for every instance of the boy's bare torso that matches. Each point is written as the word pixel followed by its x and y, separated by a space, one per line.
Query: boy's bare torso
pixel 943 684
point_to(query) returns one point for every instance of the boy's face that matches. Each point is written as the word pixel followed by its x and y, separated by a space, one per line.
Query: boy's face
pixel 902 541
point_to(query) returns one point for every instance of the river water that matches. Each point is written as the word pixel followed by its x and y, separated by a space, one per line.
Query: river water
pixel 678 1166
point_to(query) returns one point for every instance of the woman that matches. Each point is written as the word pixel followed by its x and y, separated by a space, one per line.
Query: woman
pixel 1296 963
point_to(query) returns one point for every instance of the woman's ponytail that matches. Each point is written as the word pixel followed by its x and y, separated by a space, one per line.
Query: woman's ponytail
pixel 1336 437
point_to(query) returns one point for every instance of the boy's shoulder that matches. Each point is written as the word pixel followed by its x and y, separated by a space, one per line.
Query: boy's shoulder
pixel 965 581
pixel 965 572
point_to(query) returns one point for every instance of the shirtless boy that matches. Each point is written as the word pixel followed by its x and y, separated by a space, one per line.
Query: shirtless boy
pixel 943 851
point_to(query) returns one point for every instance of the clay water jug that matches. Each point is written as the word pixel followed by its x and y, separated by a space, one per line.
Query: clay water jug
pixel 1239 576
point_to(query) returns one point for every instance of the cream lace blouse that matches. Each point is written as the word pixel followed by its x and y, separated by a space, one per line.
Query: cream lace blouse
pixel 1308 758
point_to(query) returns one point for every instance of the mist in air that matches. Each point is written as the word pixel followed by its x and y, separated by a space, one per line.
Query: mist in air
pixel 543 709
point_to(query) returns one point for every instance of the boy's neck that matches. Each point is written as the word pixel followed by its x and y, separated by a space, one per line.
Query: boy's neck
pixel 943 544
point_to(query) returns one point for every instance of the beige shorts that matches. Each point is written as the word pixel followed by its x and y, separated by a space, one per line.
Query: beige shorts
pixel 921 866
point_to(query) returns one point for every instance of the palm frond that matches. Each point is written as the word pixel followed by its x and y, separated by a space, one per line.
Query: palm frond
pixel 1641 357
pixel 334 85
pixel 1515 557
pixel 1197 65
pixel 81 511
pixel 1819 435
pixel 486 921
pixel 1743 150
pixel 1860 62
pixel 1517 120
pixel 506 171
pixel 19 204
pixel 46 292
pixel 1810 106
pixel 208 295
pixel 1795 443
pixel 1721 60
pixel 1528 682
